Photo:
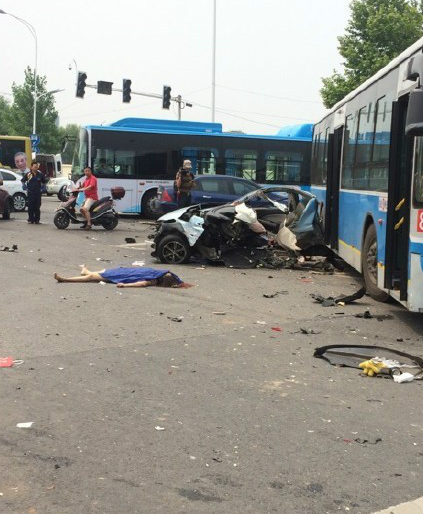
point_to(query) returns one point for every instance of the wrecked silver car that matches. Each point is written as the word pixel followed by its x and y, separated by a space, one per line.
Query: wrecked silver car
pixel 242 233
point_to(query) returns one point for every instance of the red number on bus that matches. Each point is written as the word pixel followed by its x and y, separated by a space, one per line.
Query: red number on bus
pixel 420 221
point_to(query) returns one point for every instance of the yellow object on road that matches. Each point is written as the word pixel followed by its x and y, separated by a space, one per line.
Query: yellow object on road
pixel 371 368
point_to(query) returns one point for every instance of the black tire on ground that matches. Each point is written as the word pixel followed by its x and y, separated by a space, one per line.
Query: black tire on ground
pixel 110 223
pixel 369 265
pixel 6 212
pixel 173 249
pixel 61 220
pixel 63 194
pixel 19 202
pixel 146 207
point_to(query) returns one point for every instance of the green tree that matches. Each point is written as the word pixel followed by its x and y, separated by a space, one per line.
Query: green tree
pixel 68 133
pixel 22 108
pixel 4 116
pixel 378 31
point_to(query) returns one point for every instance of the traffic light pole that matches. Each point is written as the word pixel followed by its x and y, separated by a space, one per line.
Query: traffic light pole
pixel 178 99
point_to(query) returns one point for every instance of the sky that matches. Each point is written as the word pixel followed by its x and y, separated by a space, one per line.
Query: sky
pixel 270 57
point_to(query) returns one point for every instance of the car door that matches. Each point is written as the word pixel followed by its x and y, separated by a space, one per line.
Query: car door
pixel 10 183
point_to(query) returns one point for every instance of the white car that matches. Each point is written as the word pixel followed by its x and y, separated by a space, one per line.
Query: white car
pixel 13 185
pixel 58 186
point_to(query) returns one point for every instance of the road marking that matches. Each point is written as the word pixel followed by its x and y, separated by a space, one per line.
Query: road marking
pixel 413 507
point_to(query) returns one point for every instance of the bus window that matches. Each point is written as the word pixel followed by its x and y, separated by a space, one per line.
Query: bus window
pixel 378 180
pixel 114 163
pixel 203 160
pixel 151 165
pixel 418 174
pixel 283 167
pixel 350 136
pixel 241 163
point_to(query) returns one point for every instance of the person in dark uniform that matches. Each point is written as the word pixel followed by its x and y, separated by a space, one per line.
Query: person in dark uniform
pixel 184 182
pixel 34 181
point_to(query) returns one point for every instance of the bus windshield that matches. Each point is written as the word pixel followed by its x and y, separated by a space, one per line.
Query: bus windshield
pixel 80 156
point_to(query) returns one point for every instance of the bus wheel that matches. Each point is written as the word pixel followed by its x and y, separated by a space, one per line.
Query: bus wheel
pixel 369 265
pixel 147 207
pixel 172 249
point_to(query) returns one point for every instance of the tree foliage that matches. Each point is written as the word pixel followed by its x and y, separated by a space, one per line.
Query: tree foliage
pixel 378 31
pixel 4 116
pixel 22 109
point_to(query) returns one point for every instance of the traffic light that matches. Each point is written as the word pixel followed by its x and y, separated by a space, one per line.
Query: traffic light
pixel 126 90
pixel 80 84
pixel 166 97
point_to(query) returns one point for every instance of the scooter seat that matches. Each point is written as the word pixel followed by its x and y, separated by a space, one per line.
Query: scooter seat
pixel 98 202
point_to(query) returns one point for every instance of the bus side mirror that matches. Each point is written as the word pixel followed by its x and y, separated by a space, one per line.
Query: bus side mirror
pixel 414 121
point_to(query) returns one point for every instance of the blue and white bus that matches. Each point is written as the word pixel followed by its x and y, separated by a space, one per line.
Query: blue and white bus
pixel 367 169
pixel 142 154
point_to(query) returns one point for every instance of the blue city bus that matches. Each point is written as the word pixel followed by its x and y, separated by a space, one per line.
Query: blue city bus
pixel 142 154
pixel 367 170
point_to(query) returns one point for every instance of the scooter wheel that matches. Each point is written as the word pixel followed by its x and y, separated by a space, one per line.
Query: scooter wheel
pixel 110 223
pixel 61 220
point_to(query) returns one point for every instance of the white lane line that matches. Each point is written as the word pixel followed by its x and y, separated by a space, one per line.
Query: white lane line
pixel 413 507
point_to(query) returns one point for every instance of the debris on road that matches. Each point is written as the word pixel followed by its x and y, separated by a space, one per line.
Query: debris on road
pixel 14 248
pixel 331 301
pixel 277 329
pixel 219 313
pixel 370 440
pixel 364 315
pixel 27 424
pixel 6 362
pixel 177 319
pixel 308 331
pixel 159 429
pixel 138 263
pixel 274 295
pixel 393 362
pixel 130 240
pixel 403 378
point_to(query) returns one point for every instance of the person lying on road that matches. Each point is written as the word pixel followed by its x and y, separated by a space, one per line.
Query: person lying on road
pixel 128 277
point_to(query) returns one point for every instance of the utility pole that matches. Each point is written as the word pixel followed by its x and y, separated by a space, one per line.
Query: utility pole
pixel 214 63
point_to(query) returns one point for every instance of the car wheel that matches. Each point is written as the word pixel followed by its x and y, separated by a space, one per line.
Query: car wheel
pixel 6 211
pixel 173 249
pixel 61 220
pixel 369 265
pixel 19 202
pixel 147 208
pixel 63 194
pixel 110 223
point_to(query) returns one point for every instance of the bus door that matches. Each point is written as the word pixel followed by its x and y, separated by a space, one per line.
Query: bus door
pixel 399 194
pixel 332 188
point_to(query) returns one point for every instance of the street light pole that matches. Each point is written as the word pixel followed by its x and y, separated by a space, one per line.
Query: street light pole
pixel 34 35
pixel 214 62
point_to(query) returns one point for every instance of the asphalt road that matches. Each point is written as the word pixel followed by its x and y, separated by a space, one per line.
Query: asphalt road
pixel 135 413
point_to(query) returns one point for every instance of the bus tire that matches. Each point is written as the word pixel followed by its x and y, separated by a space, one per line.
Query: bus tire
pixel 146 205
pixel 173 249
pixel 369 265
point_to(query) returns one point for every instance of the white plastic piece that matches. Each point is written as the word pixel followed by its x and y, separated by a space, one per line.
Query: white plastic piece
pixel 25 425
pixel 404 377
